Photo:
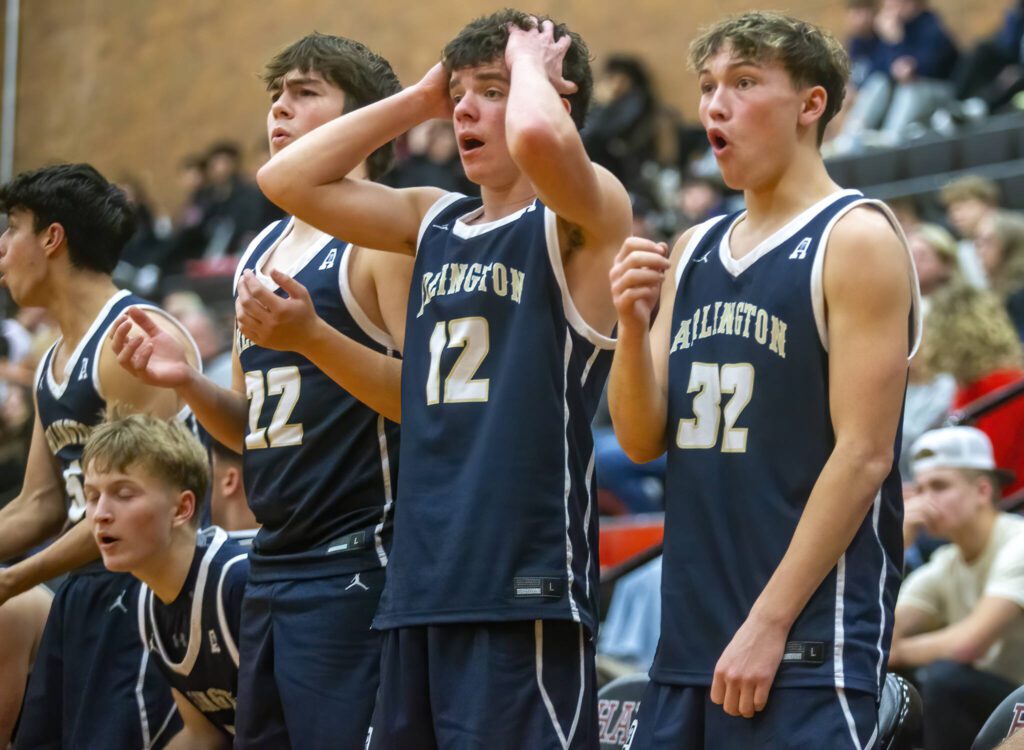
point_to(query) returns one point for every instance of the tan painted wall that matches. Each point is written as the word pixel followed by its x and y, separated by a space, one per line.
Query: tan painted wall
pixel 135 85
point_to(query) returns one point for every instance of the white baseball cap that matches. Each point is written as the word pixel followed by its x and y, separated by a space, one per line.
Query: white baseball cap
pixel 956 448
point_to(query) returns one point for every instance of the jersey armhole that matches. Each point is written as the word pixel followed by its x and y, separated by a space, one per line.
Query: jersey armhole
pixel 818 282
pixel 141 614
pixel 222 619
pixel 438 206
pixel 348 298
pixel 699 233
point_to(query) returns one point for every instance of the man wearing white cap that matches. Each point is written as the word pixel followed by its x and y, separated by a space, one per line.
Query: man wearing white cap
pixel 958 617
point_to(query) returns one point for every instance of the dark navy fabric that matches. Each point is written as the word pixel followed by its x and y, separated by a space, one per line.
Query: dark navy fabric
pixel 671 717
pixel 749 431
pixel 192 639
pixel 499 686
pixel 68 410
pixel 319 465
pixel 82 693
pixel 500 381
pixel 309 662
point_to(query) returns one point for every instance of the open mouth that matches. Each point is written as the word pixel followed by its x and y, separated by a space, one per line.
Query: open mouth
pixel 106 539
pixel 471 144
pixel 717 140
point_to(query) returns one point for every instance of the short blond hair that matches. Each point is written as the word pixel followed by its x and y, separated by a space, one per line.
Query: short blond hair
pixel 164 448
pixel 810 55
pixel 970 187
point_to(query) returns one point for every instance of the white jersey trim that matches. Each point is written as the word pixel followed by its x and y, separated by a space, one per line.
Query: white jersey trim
pixel 736 266
pixel 570 578
pixel 195 637
pixel 699 233
pixel 464 230
pixel 538 637
pixel 359 315
pixel 222 618
pixel 57 388
pixel 252 248
pixel 140 696
pixel 875 513
pixel 317 242
pixel 438 206
pixel 572 313
pixel 818 269
pixel 385 467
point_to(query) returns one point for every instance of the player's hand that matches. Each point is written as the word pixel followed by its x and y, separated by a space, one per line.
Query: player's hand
pixel 434 87
pixel 746 669
pixel 148 352
pixel 636 278
pixel 538 43
pixel 272 321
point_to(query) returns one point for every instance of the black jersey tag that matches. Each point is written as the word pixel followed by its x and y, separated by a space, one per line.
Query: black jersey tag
pixel 527 587
pixel 804 652
pixel 349 543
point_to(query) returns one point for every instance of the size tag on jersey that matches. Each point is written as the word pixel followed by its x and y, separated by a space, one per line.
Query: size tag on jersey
pixel 804 652
pixel 526 587
pixel 349 543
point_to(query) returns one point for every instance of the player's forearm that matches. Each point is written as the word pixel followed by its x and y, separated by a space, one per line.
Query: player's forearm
pixel 187 739
pixel 372 377
pixel 536 119
pixel 29 520
pixel 635 399
pixel 221 411
pixel 330 152
pixel 840 500
pixel 73 550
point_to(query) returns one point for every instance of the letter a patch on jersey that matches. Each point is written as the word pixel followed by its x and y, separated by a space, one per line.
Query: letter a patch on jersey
pixel 801 250
pixel 83 373
pixel 329 260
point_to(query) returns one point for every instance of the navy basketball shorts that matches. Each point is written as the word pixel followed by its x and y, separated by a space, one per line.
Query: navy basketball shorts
pixel 673 717
pixel 486 686
pixel 308 662
pixel 93 683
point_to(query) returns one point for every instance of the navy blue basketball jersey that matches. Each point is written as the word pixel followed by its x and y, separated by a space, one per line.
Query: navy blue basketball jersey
pixel 193 638
pixel 500 380
pixel 71 406
pixel 749 431
pixel 320 466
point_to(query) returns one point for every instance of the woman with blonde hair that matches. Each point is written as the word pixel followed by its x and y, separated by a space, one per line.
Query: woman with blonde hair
pixel 1000 246
pixel 935 256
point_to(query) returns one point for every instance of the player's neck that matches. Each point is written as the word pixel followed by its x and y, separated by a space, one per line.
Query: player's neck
pixel 506 200
pixel 165 574
pixel 772 204
pixel 974 537
pixel 76 300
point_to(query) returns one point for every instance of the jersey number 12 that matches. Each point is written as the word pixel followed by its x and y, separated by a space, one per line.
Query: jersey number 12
pixel 472 335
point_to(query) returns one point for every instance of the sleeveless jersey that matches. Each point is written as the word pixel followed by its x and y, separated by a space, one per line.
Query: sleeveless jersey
pixel 69 409
pixel 319 465
pixel 500 380
pixel 193 638
pixel 749 431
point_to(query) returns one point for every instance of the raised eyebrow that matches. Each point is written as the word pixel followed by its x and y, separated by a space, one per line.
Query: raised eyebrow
pixel 744 63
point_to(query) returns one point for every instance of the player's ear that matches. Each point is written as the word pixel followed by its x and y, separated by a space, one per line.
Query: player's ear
pixel 567 104
pixel 814 103
pixel 231 481
pixel 53 236
pixel 185 508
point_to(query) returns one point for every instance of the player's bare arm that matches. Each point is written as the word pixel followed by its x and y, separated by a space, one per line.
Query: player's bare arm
pixel 868 291
pixel 158 358
pixel 291 324
pixel 21 622
pixel 638 383
pixel 964 642
pixel 310 179
pixel 545 143
pixel 198 733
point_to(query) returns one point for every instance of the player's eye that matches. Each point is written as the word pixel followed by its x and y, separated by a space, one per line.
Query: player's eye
pixel 745 83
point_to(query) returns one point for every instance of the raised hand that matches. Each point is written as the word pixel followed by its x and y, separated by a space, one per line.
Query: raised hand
pixel 538 43
pixel 272 321
pixel 434 87
pixel 636 278
pixel 148 352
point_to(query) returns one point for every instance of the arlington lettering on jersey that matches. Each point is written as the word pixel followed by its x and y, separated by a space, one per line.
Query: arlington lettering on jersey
pixel 472 277
pixel 732 319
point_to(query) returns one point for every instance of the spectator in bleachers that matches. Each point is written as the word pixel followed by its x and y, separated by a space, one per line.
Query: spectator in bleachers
pixel 935 256
pixel 1000 245
pixel 139 264
pixel 968 200
pixel 989 76
pixel 912 65
pixel 968 334
pixel 620 129
pixel 958 617
pixel 862 41
pixel 698 199
pixel 212 340
pixel 431 160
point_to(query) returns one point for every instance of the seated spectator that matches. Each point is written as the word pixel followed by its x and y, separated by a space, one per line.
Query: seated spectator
pixel 958 617
pixel 968 200
pixel 212 340
pixel 1000 246
pixel 431 160
pixel 913 62
pixel 990 74
pixel 139 265
pixel 968 334
pixel 935 256
pixel 863 44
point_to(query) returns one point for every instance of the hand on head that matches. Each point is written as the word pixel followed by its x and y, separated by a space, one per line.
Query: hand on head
pixel 539 43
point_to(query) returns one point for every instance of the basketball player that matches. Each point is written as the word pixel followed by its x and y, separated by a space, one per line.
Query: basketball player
pixel 774 376
pixel 144 481
pixel 89 687
pixel 319 466
pixel 489 606
pixel 22 619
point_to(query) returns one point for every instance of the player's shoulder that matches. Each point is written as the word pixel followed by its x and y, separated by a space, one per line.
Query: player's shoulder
pixel 868 224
